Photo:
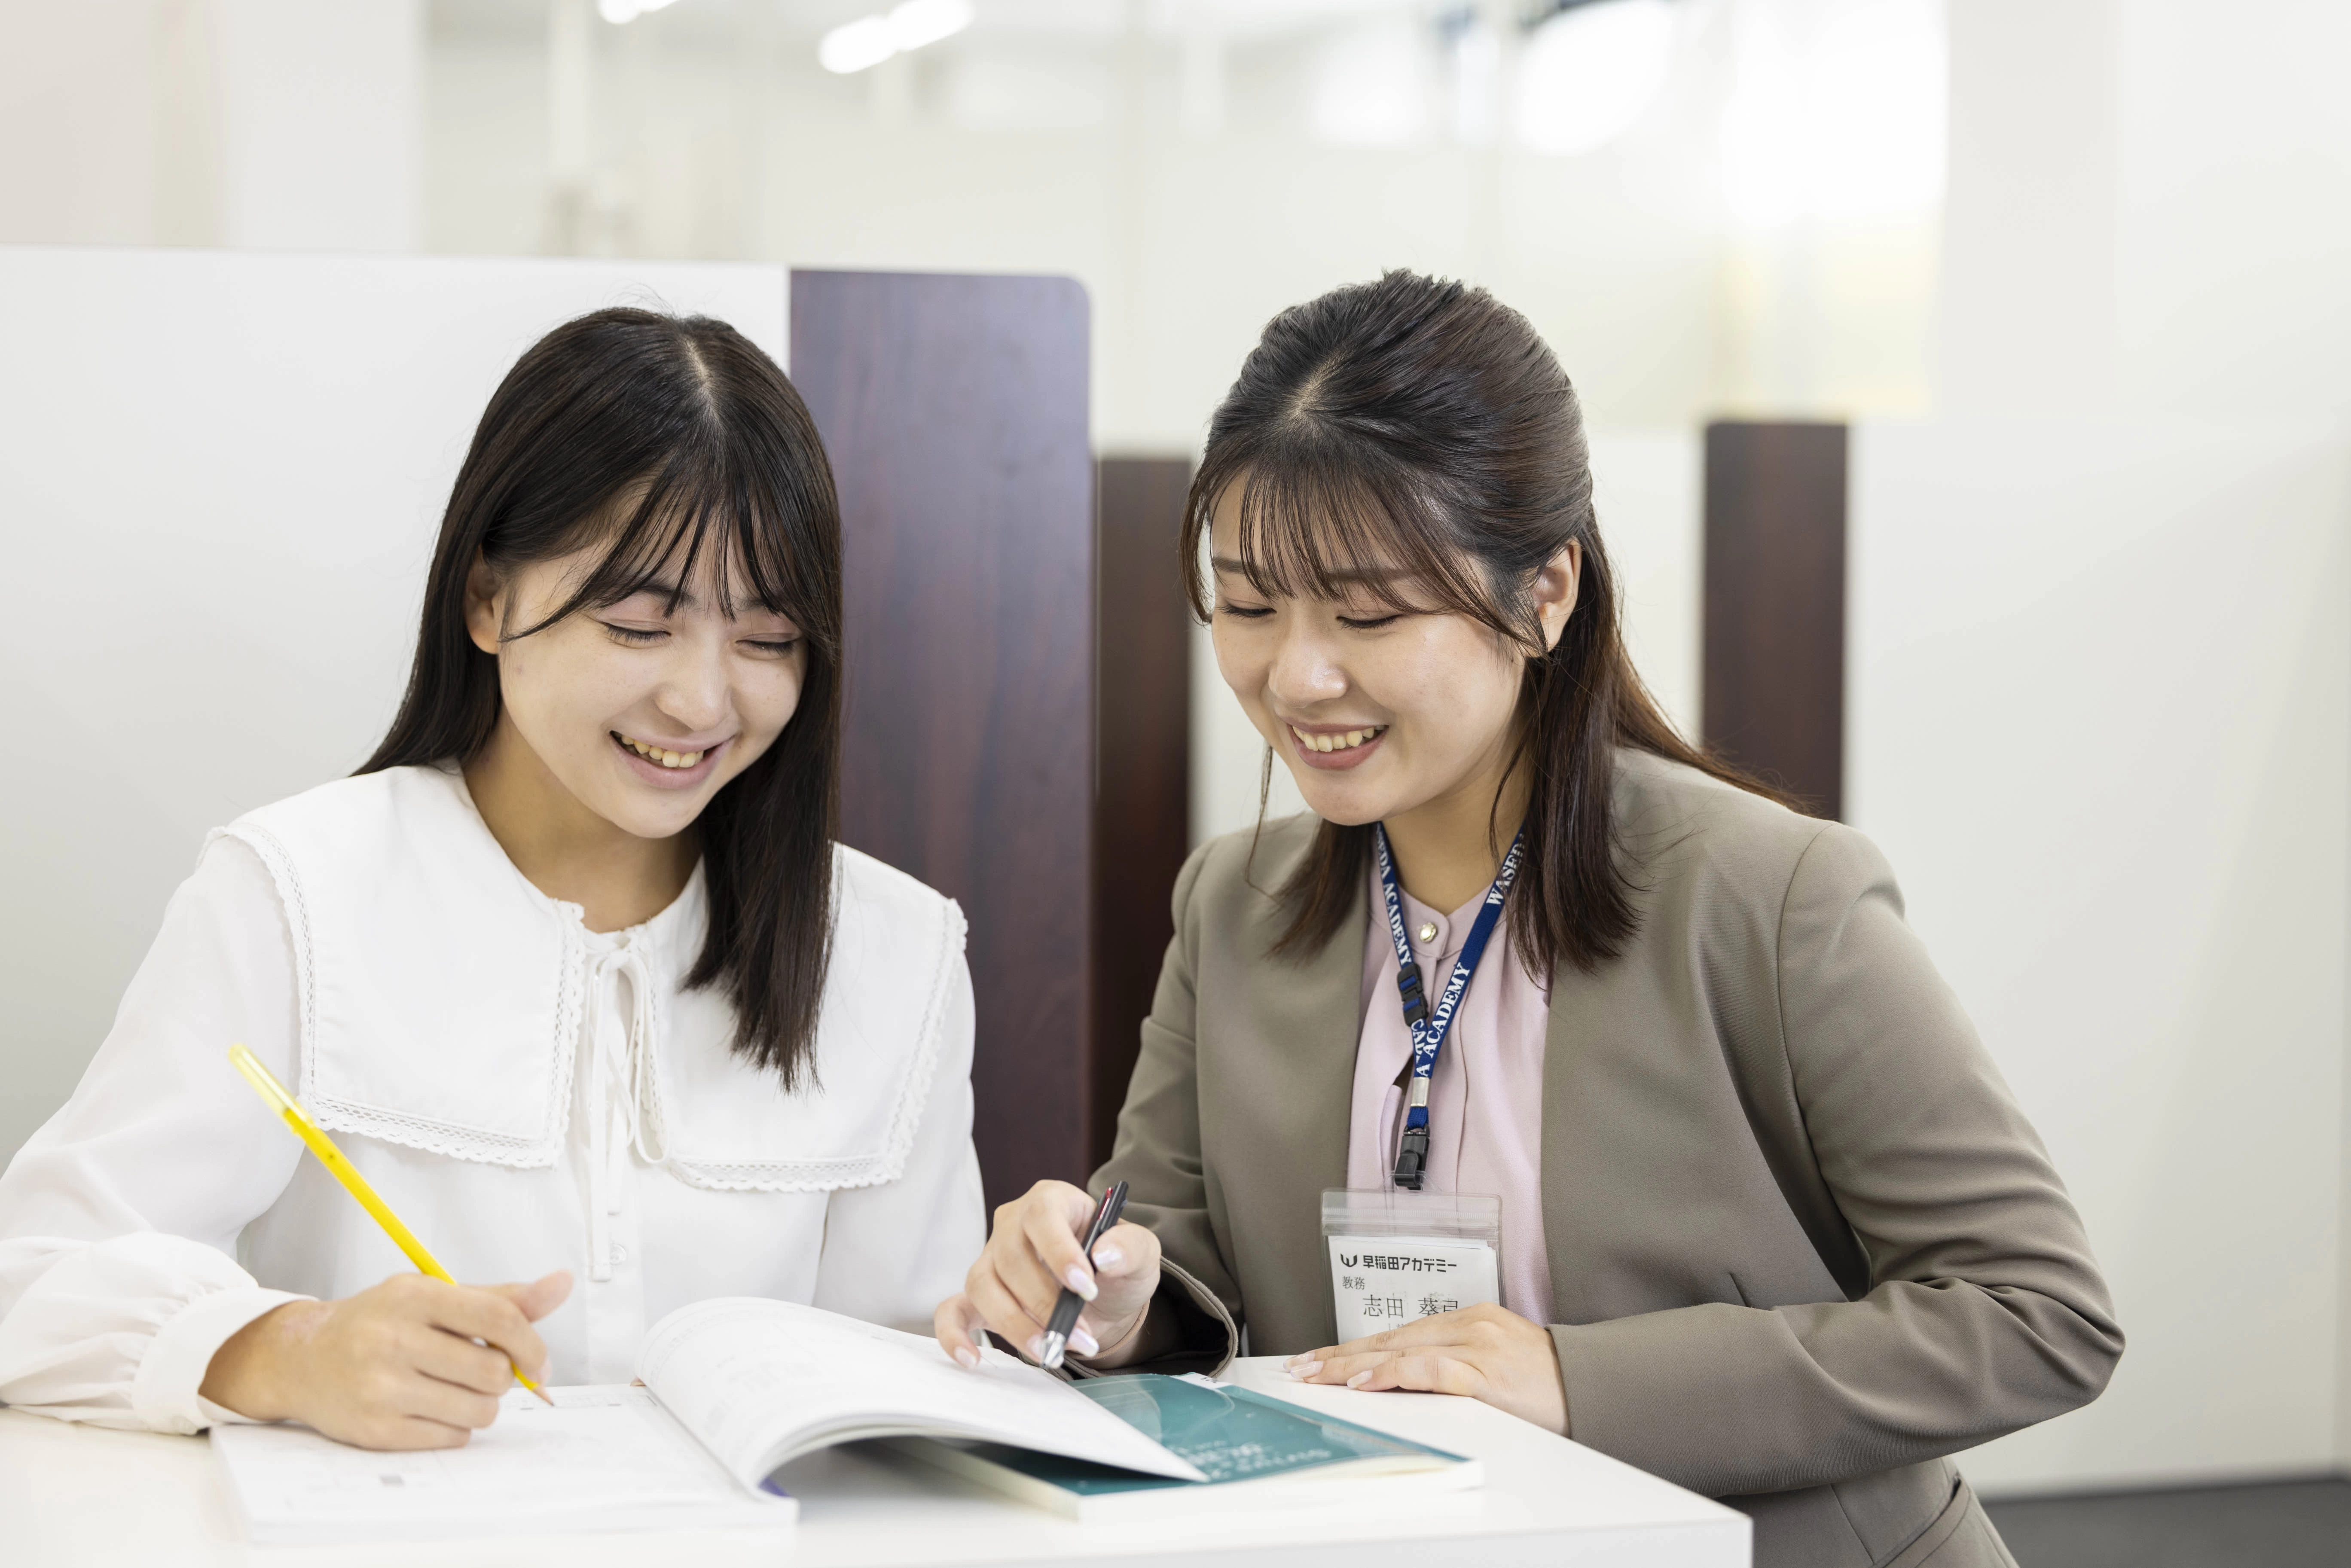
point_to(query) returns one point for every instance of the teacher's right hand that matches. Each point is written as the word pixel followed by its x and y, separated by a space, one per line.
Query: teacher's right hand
pixel 1034 1252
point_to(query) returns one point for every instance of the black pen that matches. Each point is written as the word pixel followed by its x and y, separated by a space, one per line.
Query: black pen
pixel 1066 1309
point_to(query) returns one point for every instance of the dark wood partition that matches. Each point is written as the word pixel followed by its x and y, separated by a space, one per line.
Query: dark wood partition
pixel 1143 803
pixel 955 410
pixel 1774 696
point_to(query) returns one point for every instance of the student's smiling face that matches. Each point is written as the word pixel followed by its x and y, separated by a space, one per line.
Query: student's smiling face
pixel 640 710
pixel 1377 707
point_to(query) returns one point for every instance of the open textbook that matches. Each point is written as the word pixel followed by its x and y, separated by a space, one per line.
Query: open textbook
pixel 734 1388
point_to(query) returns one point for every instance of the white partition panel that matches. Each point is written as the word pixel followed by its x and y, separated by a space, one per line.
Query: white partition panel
pixel 2100 720
pixel 220 479
pixel 1646 487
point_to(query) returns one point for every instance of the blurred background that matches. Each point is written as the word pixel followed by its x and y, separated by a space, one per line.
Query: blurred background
pixel 2027 317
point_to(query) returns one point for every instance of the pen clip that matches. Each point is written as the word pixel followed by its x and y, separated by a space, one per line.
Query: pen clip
pixel 1106 1213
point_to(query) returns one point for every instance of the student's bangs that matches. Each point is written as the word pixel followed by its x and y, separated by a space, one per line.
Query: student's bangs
pixel 1336 520
pixel 707 508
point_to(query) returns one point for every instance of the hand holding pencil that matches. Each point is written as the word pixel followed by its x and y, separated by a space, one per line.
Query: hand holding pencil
pixel 417 1362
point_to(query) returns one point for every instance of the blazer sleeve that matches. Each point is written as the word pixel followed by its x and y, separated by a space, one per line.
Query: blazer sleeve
pixel 1985 1311
pixel 1157 1155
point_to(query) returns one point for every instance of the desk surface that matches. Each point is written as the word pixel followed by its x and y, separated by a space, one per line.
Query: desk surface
pixel 88 1496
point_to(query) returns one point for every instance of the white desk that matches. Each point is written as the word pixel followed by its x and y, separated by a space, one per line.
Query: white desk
pixel 77 1496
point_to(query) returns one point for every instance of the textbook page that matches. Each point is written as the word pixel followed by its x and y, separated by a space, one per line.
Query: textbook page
pixel 762 1383
pixel 602 1458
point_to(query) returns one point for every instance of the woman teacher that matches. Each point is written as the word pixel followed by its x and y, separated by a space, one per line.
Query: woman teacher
pixel 1645 1065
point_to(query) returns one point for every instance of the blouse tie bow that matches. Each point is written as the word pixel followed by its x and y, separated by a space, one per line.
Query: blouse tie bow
pixel 623 1107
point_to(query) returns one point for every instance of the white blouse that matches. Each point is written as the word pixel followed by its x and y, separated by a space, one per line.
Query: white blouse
pixel 526 1093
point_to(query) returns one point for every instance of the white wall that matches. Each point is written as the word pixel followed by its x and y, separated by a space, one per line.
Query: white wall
pixel 1045 140
pixel 319 129
pixel 2100 720
pixel 1646 487
pixel 220 480
pixel 2149 208
pixel 77 83
pixel 262 123
pixel 2148 213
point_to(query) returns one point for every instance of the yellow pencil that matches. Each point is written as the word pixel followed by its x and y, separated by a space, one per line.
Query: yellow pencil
pixel 342 1170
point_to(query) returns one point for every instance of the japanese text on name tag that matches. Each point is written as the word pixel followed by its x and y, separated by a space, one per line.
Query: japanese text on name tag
pixel 1380 1283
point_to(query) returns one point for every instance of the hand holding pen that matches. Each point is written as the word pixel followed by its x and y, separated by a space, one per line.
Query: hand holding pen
pixel 1038 1263
pixel 1058 1327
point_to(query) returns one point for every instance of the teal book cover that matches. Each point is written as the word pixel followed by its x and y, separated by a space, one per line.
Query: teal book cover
pixel 1234 1436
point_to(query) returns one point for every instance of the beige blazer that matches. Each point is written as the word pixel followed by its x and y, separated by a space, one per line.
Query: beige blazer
pixel 1803 1243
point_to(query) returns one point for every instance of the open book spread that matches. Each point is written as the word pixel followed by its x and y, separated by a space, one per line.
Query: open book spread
pixel 733 1388
pixel 762 1383
pixel 1255 1451
pixel 602 1459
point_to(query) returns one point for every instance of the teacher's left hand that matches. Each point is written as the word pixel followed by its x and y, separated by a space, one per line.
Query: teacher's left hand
pixel 1483 1352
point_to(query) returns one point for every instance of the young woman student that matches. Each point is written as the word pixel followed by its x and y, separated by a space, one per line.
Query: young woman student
pixel 572 969
pixel 1769 1224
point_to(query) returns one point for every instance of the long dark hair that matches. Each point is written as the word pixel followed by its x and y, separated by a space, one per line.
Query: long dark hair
pixel 1420 423
pixel 666 437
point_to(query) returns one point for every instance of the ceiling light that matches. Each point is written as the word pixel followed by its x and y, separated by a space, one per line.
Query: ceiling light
pixel 854 46
pixel 868 41
pixel 619 11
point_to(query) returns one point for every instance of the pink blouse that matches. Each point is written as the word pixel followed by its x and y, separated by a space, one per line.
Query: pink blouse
pixel 1485 1101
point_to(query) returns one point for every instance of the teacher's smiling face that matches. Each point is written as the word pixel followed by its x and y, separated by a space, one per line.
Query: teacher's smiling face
pixel 1378 706
pixel 642 709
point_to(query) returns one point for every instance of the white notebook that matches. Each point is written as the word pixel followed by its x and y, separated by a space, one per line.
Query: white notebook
pixel 733 1389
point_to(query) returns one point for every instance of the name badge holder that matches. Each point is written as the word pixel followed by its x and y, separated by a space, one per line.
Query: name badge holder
pixel 1397 1256
pixel 1401 1254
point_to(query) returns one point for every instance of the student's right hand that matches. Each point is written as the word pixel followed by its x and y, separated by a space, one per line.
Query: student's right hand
pixel 1032 1253
pixel 393 1367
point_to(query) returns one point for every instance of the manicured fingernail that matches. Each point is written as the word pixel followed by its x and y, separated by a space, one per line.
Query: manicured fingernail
pixel 1080 1281
pixel 1036 1350
pixel 1083 1343
pixel 968 1356
pixel 1359 1380
pixel 1107 1256
pixel 1302 1370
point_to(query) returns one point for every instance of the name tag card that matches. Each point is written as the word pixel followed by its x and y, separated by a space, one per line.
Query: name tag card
pixel 1380 1283
pixel 1397 1256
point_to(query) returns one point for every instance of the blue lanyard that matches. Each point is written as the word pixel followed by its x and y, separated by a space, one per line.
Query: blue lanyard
pixel 1429 1030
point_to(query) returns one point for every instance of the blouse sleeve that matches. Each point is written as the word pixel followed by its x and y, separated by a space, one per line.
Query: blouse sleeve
pixel 893 1252
pixel 1984 1311
pixel 119 1219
